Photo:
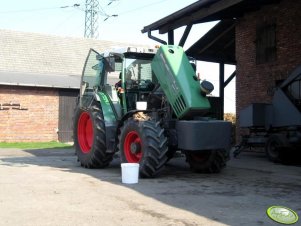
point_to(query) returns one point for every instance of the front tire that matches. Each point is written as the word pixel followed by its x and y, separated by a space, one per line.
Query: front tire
pixel 211 161
pixel 90 137
pixel 143 142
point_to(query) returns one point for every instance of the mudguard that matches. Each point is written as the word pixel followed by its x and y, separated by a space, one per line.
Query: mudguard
pixel 110 118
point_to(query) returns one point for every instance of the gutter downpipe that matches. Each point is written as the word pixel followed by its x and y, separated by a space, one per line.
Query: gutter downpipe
pixel 149 33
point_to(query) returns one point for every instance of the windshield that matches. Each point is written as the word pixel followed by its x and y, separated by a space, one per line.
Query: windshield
pixel 137 69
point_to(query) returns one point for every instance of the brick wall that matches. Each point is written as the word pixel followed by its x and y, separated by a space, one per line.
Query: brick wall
pixel 38 123
pixel 254 80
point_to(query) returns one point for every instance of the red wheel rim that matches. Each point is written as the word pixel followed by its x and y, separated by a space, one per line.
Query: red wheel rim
pixel 85 132
pixel 132 138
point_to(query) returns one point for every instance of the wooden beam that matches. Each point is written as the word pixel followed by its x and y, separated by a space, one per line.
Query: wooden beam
pixel 185 35
pixel 221 87
pixel 198 15
pixel 171 39
pixel 229 43
pixel 230 78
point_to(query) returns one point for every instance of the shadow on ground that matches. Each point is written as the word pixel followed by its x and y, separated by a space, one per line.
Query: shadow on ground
pixel 239 195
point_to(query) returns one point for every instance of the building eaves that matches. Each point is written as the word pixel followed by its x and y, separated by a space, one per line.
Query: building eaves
pixel 205 11
pixel 39 80
pixel 168 20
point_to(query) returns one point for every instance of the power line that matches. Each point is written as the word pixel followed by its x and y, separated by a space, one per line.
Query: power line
pixel 66 19
pixel 28 10
pixel 92 11
pixel 37 9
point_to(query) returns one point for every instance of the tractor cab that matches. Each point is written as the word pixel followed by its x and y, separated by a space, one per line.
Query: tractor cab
pixel 124 76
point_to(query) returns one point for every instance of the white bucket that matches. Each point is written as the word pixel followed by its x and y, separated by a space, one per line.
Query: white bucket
pixel 141 105
pixel 129 173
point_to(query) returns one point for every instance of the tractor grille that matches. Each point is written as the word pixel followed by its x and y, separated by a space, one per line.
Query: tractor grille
pixel 179 105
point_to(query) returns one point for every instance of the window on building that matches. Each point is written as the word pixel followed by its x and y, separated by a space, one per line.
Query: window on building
pixel 265 43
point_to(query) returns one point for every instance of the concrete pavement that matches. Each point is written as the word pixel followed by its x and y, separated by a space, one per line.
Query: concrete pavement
pixel 48 187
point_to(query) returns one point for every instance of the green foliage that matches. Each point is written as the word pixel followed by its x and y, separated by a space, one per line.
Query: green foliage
pixel 34 145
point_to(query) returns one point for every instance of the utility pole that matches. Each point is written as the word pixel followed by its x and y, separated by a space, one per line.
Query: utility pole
pixel 91 19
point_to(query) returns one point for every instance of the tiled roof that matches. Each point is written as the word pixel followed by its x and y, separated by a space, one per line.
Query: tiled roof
pixel 48 56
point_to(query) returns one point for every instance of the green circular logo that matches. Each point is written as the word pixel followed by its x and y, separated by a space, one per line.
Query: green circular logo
pixel 282 215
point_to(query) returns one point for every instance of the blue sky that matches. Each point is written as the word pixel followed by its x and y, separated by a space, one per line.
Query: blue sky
pixel 48 17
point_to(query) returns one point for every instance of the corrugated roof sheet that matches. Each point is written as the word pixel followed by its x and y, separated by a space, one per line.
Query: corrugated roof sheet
pixel 40 80
pixel 45 60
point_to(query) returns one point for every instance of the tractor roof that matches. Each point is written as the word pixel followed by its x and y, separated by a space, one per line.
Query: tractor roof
pixel 130 49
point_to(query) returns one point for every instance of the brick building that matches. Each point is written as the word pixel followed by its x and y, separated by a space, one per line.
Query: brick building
pixel 268 49
pixel 262 38
pixel 39 83
pixel 38 119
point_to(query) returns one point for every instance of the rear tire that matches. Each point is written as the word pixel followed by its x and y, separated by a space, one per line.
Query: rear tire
pixel 90 137
pixel 143 142
pixel 211 161
pixel 275 147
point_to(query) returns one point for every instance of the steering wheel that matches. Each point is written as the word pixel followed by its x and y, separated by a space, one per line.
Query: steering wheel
pixel 139 81
pixel 145 84
pixel 134 84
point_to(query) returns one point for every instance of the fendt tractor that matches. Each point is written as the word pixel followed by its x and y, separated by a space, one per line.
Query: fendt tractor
pixel 146 104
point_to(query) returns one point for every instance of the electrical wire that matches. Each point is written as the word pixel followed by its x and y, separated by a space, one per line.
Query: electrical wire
pixel 29 10
pixel 69 16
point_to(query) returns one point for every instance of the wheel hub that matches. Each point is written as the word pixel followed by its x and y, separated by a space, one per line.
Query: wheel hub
pixel 135 148
pixel 274 149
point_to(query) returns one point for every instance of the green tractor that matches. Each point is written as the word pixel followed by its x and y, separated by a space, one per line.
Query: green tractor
pixel 147 104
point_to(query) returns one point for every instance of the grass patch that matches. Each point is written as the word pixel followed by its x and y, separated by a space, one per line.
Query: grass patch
pixel 34 145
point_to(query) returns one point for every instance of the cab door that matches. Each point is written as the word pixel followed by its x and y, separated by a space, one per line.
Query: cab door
pixel 91 77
